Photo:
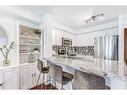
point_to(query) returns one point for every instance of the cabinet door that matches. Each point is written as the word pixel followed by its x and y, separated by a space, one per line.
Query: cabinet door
pixel 26 78
pixel 11 79
pixel 125 46
pixel 34 75
pixel 1 80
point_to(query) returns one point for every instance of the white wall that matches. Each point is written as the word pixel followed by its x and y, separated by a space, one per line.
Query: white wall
pixel 9 22
pixel 60 31
pixel 10 29
pixel 18 12
pixel 47 26
pixel 86 36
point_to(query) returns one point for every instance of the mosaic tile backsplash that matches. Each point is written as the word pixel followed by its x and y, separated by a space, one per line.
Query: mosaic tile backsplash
pixel 79 50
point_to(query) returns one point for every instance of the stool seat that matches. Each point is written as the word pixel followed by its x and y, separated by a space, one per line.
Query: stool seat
pixel 65 80
pixel 84 80
pixel 45 70
pixel 58 75
pixel 68 75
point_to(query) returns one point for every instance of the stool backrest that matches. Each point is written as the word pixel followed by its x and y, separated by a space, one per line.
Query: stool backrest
pixel 55 72
pixel 40 65
pixel 83 80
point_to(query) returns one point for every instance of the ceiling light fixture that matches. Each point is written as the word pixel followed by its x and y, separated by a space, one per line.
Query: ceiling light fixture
pixel 93 18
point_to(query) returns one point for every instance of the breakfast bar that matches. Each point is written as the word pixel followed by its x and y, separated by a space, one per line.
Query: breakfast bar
pixel 91 66
pixel 97 67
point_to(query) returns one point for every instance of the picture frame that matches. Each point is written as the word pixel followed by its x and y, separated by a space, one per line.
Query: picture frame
pixel 66 41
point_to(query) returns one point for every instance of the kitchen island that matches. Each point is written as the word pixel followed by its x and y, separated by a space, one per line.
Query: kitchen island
pixel 105 68
pixel 93 66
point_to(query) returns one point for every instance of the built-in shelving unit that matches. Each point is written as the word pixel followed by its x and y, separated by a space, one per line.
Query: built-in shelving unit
pixel 29 44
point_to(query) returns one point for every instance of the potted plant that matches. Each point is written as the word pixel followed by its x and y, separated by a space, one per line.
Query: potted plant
pixel 5 52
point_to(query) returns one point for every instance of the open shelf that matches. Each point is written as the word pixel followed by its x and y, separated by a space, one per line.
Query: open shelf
pixel 25 44
pixel 29 37
pixel 29 41
pixel 28 53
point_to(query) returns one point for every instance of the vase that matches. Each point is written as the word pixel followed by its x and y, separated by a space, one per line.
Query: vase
pixel 6 62
pixel 31 58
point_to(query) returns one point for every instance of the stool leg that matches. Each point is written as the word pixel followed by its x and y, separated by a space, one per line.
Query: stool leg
pixel 71 84
pixel 61 86
pixel 42 81
pixel 55 84
pixel 38 79
pixel 49 81
pixel 51 84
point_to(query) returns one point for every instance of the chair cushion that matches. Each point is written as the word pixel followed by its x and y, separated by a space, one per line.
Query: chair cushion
pixel 68 75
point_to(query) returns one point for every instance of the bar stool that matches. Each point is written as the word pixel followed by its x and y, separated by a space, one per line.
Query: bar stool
pixel 83 80
pixel 57 75
pixel 43 70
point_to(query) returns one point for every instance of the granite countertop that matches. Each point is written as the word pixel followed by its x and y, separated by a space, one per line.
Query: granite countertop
pixel 94 66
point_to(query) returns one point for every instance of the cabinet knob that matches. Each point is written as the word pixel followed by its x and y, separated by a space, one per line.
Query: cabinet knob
pixel 34 74
pixel 2 83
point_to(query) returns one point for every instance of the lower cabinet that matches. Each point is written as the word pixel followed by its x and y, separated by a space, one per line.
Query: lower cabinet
pixel 28 76
pixel 34 74
pixel 1 80
pixel 10 79
pixel 20 77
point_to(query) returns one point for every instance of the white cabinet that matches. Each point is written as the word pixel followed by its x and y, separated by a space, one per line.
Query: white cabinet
pixel 9 79
pixel 34 74
pixel 28 76
pixel 24 77
pixel 1 80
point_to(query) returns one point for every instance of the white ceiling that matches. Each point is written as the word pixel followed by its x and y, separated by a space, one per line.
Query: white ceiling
pixel 75 16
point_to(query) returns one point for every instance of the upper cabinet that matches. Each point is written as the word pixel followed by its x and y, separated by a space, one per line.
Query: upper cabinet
pixel 58 34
